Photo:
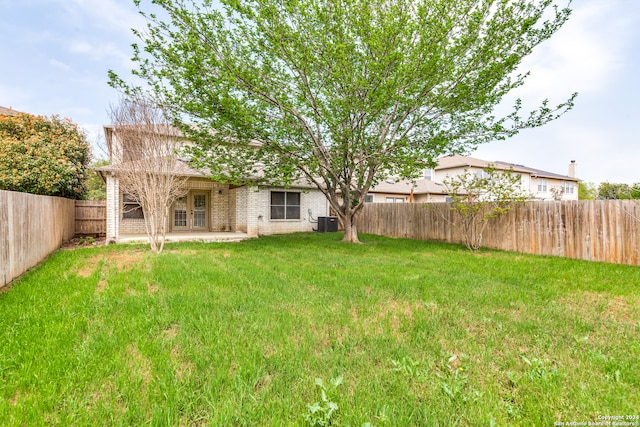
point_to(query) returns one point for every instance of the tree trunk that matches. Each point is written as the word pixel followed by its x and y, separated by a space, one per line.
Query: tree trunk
pixel 350 228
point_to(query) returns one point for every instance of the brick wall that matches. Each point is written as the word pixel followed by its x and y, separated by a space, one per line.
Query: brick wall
pixel 259 220
pixel 241 203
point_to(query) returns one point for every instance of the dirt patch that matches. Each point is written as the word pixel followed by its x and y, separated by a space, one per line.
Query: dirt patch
pixel 13 401
pixel 183 368
pixel 454 361
pixel 390 313
pixel 6 287
pixel 171 332
pixel 88 267
pixel 152 288
pixel 107 394
pixel 354 314
pixel 124 261
pixel 121 261
pixel 397 311
pixel 593 305
pixel 139 364
pixel 183 251
pixel 83 242
pixel 269 350
pixel 102 285
pixel 264 383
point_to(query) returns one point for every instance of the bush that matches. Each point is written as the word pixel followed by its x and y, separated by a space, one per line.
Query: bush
pixel 43 155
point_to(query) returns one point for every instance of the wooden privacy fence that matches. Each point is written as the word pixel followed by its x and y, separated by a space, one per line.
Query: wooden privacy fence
pixel 31 227
pixel 91 218
pixel 595 230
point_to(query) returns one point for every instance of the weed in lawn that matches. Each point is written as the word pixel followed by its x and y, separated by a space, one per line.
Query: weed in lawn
pixel 454 382
pixel 407 366
pixel 538 369
pixel 322 413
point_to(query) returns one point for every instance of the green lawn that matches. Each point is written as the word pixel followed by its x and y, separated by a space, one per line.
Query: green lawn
pixel 236 334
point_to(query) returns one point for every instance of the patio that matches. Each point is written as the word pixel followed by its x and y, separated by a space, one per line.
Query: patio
pixel 222 236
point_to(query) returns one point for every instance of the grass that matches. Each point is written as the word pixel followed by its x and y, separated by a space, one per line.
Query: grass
pixel 400 332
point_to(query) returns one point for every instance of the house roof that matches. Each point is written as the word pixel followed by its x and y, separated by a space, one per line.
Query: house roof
pixel 421 186
pixel 161 129
pixel 458 161
pixel 4 111
pixel 182 168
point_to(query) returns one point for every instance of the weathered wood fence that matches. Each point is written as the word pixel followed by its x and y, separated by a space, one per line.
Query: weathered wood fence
pixel 31 227
pixel 91 218
pixel 596 230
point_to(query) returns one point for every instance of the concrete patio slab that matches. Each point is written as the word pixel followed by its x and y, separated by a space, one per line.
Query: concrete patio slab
pixel 188 237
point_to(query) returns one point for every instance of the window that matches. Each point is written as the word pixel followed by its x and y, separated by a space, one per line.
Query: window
pixel 368 198
pixel 395 199
pixel 482 174
pixel 568 187
pixel 285 205
pixel 542 185
pixel 180 212
pixel 428 174
pixel 131 209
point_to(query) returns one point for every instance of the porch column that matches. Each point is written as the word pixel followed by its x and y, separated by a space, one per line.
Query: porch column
pixel 113 208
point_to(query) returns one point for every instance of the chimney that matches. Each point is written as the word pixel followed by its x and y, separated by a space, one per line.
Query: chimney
pixel 573 169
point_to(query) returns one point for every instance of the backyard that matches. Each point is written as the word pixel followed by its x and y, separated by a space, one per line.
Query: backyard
pixel 303 329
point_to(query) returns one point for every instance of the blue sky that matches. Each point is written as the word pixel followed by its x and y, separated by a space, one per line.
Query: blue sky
pixel 55 55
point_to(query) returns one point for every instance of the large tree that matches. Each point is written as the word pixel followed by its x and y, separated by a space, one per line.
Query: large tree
pixel 43 155
pixel 342 93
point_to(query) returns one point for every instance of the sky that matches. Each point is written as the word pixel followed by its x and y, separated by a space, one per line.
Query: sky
pixel 55 56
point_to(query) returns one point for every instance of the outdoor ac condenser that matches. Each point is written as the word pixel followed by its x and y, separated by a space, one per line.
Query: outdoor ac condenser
pixel 327 224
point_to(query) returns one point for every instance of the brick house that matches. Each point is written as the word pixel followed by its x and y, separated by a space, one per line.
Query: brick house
pixel 214 207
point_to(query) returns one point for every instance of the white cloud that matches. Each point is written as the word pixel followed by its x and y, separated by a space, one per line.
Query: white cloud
pixel 100 51
pixel 59 64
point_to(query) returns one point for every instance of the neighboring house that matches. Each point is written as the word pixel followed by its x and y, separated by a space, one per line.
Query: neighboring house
pixel 540 184
pixel 422 191
pixel 211 206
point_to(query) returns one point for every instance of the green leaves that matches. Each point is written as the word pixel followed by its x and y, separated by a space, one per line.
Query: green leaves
pixel 41 155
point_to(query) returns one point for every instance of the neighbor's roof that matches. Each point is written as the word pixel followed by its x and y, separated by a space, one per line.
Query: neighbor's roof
pixel 4 111
pixel 458 161
pixel 421 186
